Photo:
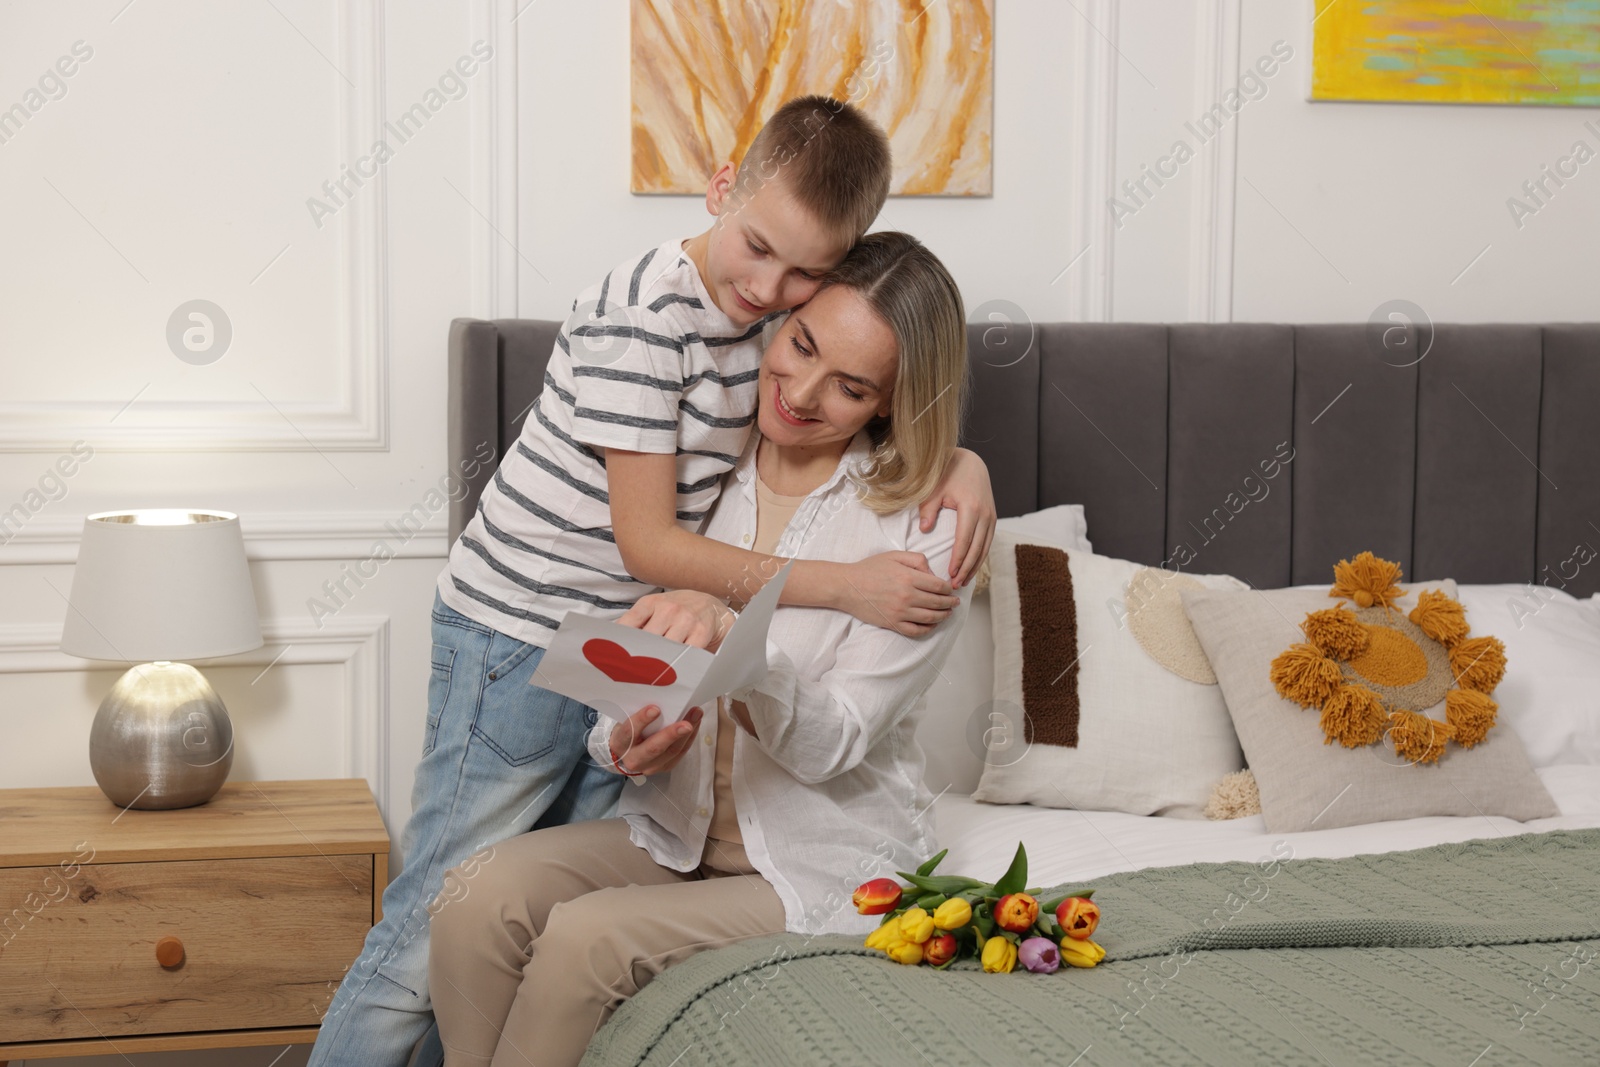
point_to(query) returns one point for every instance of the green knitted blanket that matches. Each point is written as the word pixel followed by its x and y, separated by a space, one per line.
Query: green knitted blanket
pixel 1468 955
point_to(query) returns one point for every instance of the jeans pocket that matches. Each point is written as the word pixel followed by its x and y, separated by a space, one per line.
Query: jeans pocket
pixel 519 721
pixel 439 681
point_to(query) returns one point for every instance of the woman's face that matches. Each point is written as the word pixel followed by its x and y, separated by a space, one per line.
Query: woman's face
pixel 830 371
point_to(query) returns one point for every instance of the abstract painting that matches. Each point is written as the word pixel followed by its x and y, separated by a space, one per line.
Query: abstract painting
pixel 707 73
pixel 1457 51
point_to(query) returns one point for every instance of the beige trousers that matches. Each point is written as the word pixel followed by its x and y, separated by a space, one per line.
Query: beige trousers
pixel 535 943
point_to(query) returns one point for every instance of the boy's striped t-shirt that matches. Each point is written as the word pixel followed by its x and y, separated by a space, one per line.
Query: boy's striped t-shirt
pixel 646 362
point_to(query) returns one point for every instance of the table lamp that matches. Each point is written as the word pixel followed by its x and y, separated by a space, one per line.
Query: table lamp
pixel 154 588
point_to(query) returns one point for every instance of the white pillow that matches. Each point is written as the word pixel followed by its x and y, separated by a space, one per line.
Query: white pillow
pixel 1551 692
pixel 1149 739
pixel 952 715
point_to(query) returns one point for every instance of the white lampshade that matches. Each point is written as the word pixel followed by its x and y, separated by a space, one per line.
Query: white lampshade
pixel 161 585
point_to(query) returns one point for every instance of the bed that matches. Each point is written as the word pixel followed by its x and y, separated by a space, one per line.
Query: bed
pixel 1478 462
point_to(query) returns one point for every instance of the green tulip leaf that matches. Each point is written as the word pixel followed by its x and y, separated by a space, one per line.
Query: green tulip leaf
pixel 1016 875
pixel 948 884
pixel 931 902
pixel 927 868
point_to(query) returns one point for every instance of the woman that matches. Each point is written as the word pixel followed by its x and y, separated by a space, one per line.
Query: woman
pixel 801 786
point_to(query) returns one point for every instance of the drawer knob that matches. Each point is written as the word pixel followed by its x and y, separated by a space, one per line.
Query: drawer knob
pixel 169 952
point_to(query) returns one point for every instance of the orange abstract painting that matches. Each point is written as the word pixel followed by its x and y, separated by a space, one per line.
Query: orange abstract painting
pixel 1458 51
pixel 707 73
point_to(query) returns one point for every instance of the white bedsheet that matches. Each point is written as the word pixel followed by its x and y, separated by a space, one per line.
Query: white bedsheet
pixel 1077 846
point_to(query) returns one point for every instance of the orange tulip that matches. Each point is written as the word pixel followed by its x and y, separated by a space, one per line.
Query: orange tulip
pixel 940 949
pixel 1016 912
pixel 877 897
pixel 1078 917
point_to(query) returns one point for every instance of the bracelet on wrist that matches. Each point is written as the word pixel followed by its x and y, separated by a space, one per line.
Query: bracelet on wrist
pixel 616 765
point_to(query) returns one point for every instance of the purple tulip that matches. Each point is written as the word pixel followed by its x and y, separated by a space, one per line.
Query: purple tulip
pixel 1039 955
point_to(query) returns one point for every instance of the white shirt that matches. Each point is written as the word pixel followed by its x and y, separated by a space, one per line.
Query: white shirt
pixel 647 363
pixel 830 791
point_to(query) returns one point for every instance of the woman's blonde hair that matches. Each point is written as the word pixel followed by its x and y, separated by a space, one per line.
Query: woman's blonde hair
pixel 911 291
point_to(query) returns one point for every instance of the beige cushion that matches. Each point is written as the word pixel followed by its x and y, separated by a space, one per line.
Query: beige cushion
pixel 1308 785
pixel 1091 711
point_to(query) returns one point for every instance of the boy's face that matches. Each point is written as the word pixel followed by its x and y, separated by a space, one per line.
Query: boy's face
pixel 828 372
pixel 764 253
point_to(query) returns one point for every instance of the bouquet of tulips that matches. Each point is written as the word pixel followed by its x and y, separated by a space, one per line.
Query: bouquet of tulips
pixel 937 919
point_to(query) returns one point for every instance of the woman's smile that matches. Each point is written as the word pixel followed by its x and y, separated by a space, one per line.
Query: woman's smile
pixel 785 412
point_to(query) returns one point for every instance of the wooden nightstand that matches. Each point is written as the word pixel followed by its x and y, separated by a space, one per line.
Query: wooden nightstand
pixel 225 925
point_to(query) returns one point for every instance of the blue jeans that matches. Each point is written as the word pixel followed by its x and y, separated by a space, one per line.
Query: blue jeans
pixel 499 757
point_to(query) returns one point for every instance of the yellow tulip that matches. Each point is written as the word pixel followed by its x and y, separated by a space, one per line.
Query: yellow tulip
pixel 953 914
pixel 883 935
pixel 916 925
pixel 908 952
pixel 1081 953
pixel 999 955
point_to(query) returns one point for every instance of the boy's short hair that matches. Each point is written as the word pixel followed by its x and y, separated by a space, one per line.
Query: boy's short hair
pixel 830 157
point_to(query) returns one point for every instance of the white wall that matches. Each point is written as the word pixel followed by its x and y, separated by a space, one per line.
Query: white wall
pixel 179 162
pixel 1398 198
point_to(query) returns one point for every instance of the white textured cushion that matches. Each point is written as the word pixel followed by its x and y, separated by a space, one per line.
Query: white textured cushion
pixel 1551 692
pixel 1148 741
pixel 951 716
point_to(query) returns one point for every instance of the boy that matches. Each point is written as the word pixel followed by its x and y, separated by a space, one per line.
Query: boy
pixel 649 397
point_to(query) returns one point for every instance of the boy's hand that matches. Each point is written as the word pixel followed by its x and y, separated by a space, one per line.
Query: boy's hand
pixel 965 488
pixel 898 591
pixel 658 753
pixel 686 616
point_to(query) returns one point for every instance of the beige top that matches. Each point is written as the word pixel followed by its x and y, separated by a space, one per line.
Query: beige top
pixel 724 847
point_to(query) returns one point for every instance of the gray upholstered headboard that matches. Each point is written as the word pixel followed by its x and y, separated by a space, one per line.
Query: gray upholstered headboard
pixel 1481 462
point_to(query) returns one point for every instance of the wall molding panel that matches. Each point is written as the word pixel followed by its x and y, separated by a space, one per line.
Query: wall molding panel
pixel 267 536
pixel 360 644
pixel 1094 133
pixel 493 182
pixel 1211 207
pixel 357 419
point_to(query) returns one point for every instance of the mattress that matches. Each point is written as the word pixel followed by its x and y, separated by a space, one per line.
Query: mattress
pixel 1079 846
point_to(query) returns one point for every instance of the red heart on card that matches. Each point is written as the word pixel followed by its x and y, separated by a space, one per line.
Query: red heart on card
pixel 615 663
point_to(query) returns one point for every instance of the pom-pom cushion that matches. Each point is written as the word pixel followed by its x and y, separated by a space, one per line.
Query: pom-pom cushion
pixel 1373 671
pixel 1307 783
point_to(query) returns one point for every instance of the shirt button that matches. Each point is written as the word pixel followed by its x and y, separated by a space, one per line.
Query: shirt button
pixel 708 740
pixel 700 811
pixel 747 539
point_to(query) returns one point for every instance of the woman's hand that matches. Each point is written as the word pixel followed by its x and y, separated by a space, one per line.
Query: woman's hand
pixel 898 591
pixel 658 753
pixel 686 616
pixel 965 488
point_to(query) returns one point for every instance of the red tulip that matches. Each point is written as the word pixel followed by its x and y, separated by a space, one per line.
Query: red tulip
pixel 1078 917
pixel 940 949
pixel 1016 912
pixel 877 897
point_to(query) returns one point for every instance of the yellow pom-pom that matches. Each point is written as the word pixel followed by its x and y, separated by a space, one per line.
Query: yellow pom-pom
pixel 1470 715
pixel 1367 580
pixel 1353 716
pixel 1336 631
pixel 1439 617
pixel 1478 663
pixel 1303 674
pixel 1417 737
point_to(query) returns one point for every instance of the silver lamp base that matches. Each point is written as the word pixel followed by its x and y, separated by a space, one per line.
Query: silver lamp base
pixel 161 739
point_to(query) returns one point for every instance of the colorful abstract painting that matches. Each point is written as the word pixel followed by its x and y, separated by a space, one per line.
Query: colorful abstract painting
pixel 707 73
pixel 1458 51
